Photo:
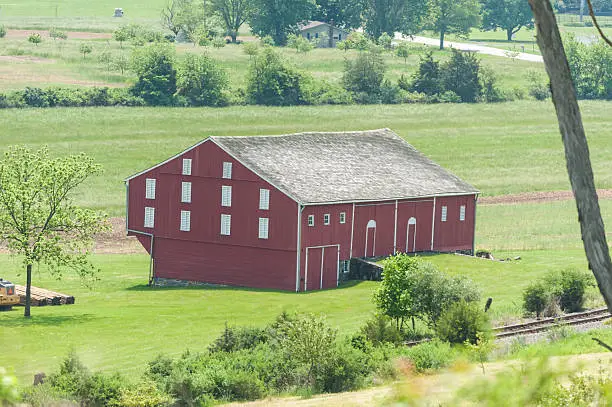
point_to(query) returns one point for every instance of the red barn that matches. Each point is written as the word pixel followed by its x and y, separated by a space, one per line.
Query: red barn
pixel 289 212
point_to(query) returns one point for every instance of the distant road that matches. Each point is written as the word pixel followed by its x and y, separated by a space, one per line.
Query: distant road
pixel 471 47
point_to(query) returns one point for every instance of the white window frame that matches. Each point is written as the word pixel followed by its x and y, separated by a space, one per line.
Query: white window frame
pixel 444 213
pixel 186 166
pixel 186 192
pixel 326 219
pixel 227 170
pixel 149 217
pixel 226 196
pixel 346 266
pixel 264 224
pixel 150 188
pixel 462 213
pixel 264 199
pixel 226 225
pixel 342 217
pixel 311 220
pixel 185 221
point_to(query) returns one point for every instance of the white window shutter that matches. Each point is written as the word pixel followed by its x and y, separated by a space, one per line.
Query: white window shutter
pixel 186 192
pixel 149 219
pixel 264 199
pixel 150 188
pixel 462 213
pixel 185 221
pixel 311 220
pixel 226 224
pixel 227 170
pixel 326 219
pixel 226 195
pixel 186 166
pixel 263 228
pixel 342 217
pixel 444 213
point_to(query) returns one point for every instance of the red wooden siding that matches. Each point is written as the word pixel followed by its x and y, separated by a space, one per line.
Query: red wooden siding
pixel 454 234
pixel 215 253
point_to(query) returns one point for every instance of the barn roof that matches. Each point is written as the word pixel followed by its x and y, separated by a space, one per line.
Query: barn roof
pixel 344 167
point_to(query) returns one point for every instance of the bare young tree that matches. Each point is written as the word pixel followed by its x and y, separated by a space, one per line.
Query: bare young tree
pixel 170 16
pixel 576 147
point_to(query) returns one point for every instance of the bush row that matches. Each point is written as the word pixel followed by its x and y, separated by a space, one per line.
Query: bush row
pixel 69 97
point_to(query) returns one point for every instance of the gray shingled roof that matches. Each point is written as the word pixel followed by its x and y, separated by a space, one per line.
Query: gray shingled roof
pixel 343 167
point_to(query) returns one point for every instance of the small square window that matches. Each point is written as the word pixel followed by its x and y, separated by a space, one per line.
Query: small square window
pixel 226 196
pixel 149 219
pixel 150 188
pixel 326 219
pixel 263 228
pixel 186 192
pixel 342 217
pixel 226 224
pixel 310 220
pixel 444 211
pixel 186 166
pixel 185 221
pixel 227 170
pixel 264 199
pixel 462 213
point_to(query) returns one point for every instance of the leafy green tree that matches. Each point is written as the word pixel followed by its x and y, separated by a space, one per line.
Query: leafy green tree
pixel 391 16
pixel 453 17
pixel 462 322
pixel 121 35
pixel 38 218
pixel 535 298
pixel 385 41
pixel 339 13
pixel 154 68
pixel 403 51
pixel 234 14
pixel 85 49
pixel 365 73
pixel 508 15
pixel 590 67
pixel 427 78
pixel 299 43
pixel 279 18
pixel 460 74
pixel 201 81
pixel 273 81
pixel 358 41
pixel 121 63
pixel 251 49
pixel 35 38
pixel 171 15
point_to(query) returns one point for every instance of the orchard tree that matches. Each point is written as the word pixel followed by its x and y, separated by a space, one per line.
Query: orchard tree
pixel 508 15
pixel 403 51
pixel 38 218
pixel 453 17
pixel 391 16
pixel 234 13
pixel 279 18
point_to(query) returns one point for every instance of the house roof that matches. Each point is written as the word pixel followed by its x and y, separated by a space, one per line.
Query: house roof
pixel 312 24
pixel 353 166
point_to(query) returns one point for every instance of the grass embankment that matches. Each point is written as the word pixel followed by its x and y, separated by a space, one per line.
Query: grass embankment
pixel 499 148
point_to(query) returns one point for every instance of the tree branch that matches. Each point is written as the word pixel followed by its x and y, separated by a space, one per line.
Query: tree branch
pixel 592 13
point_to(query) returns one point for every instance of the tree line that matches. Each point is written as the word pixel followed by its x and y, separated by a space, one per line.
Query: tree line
pixel 279 19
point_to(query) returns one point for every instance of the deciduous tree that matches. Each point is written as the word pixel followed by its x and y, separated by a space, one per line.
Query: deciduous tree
pixel 202 81
pixel 279 18
pixel 453 17
pixel 391 16
pixel 234 13
pixel 154 68
pixel 38 218
pixel 508 15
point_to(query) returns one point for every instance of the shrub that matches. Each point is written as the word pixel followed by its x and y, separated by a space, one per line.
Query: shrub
pixel 535 298
pixel 364 74
pixel 427 78
pixel 462 322
pixel 345 370
pixel 56 34
pixel 433 355
pixel 45 395
pixel 403 51
pixel 460 74
pixel 538 88
pixel 201 81
pixel 233 339
pixel 35 97
pixel 85 49
pixel 154 68
pixel 299 43
pixel 35 38
pixel 218 42
pixel 385 41
pixel 569 287
pixel 9 392
pixel 145 394
pixel 325 93
pixel 272 81
pixel 2 31
pixel 380 329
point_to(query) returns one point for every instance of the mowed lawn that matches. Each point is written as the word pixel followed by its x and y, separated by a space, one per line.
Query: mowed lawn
pixel 499 148
pixel 120 323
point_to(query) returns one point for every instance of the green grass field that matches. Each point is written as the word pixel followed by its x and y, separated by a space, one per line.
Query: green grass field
pixel 499 148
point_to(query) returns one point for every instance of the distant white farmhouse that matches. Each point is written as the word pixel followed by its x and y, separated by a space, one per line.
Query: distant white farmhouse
pixel 324 34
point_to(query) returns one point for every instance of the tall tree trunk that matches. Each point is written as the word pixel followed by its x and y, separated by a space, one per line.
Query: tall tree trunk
pixel 509 34
pixel 28 300
pixel 234 35
pixel 441 39
pixel 576 147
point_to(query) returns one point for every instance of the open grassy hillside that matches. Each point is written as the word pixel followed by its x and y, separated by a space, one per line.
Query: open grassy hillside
pixel 499 148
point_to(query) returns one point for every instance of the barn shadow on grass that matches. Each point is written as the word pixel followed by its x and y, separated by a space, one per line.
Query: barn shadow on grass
pixel 146 287
pixel 50 320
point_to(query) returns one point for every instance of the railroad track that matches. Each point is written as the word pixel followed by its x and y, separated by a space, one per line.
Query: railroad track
pixel 578 318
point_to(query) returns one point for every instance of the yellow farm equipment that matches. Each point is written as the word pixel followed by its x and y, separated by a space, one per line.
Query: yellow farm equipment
pixel 8 296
